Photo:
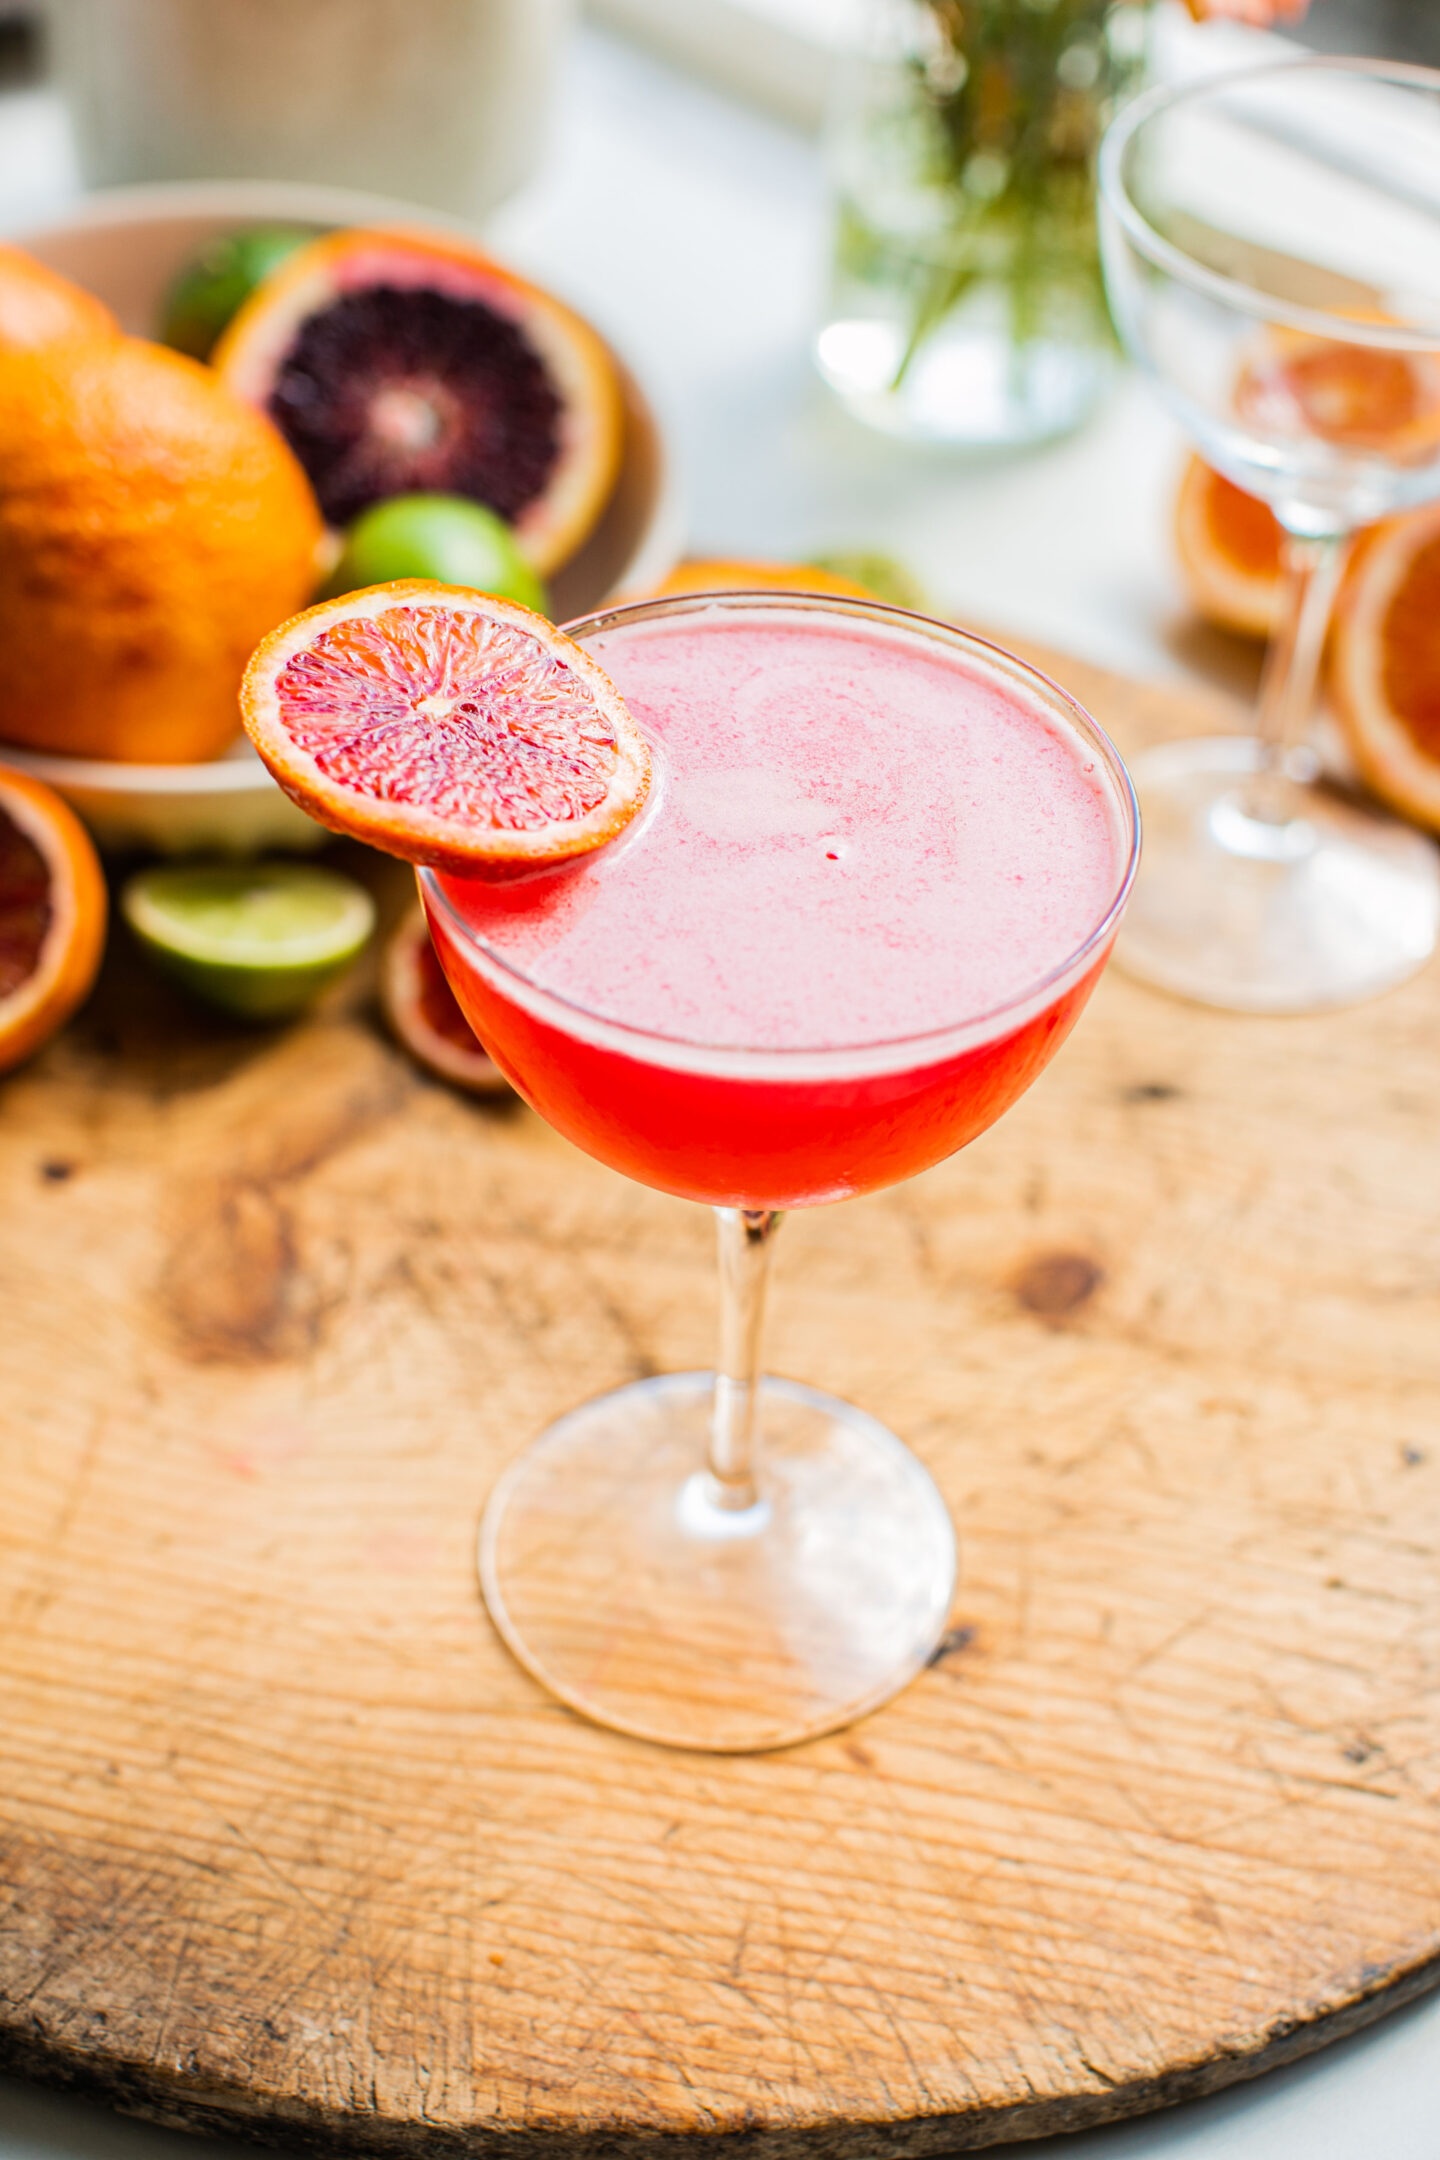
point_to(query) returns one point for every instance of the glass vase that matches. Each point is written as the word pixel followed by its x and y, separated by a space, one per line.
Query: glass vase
pixel 966 305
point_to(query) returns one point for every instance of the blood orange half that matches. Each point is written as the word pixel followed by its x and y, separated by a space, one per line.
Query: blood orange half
pixel 401 363
pixel 1385 662
pixel 445 726
pixel 52 915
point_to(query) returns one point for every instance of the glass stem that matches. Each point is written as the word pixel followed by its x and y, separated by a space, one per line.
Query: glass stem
pixel 746 1236
pixel 1311 571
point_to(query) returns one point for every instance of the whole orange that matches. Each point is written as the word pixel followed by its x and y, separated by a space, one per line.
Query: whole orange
pixel 40 307
pixel 152 529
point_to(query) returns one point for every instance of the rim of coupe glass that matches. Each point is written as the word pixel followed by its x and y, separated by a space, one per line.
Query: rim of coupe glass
pixel 950 1036
pixel 1246 299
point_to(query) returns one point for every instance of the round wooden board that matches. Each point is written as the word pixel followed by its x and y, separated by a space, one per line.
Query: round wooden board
pixel 288 1843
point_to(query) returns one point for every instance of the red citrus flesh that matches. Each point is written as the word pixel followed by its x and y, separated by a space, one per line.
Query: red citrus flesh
pixel 397 362
pixel 25 907
pixel 446 727
pixel 52 915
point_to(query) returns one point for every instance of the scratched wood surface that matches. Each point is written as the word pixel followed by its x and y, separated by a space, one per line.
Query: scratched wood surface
pixel 287 1843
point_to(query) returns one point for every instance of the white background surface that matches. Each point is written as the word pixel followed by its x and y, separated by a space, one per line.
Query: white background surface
pixel 694 231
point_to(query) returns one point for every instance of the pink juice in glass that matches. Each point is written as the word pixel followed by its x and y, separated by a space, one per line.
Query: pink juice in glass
pixel 878 875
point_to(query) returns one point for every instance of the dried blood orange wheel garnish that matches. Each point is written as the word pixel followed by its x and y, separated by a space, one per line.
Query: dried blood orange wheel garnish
pixel 446 727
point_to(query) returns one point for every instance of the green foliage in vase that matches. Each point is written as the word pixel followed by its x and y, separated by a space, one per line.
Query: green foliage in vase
pixel 995 116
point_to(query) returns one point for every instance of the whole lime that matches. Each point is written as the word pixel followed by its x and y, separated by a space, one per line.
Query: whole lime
pixel 220 279
pixel 435 536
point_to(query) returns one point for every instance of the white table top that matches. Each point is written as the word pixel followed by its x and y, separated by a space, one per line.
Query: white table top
pixel 694 231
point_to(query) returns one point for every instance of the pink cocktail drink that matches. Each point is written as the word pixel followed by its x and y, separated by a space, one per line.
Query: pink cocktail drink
pixel 878 874
pixel 877 880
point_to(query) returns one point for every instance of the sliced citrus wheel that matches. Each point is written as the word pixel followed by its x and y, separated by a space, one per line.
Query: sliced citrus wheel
pixel 400 363
pixel 1359 397
pixel 52 915
pixel 258 939
pixel 1229 545
pixel 445 726
pixel 423 1015
pixel 1385 662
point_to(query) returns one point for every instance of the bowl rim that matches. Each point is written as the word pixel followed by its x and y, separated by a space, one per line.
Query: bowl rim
pixel 237 770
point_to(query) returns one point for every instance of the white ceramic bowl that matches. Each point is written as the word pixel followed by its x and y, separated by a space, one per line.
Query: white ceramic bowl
pixel 126 244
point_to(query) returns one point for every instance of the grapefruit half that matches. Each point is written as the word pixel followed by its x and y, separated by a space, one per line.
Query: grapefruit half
pixel 1385 662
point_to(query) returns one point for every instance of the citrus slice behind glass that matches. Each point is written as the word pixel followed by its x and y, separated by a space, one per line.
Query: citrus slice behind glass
pixel 445 726
pixel 257 939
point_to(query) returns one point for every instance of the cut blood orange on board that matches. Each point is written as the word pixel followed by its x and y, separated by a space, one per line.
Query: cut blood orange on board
pixel 397 363
pixel 52 915
pixel 1385 662
pixel 1229 545
pixel 445 726
pixel 424 1016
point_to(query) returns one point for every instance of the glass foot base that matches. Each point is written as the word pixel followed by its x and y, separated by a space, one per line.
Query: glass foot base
pixel 620 1583
pixel 1317 903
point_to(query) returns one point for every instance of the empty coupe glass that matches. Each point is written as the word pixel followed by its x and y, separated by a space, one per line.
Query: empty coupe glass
pixel 1271 244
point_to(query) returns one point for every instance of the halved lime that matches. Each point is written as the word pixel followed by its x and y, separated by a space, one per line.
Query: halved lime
pixel 257 939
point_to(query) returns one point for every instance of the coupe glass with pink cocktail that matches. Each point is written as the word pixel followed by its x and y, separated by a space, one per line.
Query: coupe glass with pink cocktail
pixel 881 868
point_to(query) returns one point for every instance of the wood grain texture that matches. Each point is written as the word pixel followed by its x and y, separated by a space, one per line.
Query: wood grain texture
pixel 288 1843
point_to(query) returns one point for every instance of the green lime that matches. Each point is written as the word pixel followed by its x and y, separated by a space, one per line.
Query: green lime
pixel 257 939
pixel 435 536
pixel 879 574
pixel 218 282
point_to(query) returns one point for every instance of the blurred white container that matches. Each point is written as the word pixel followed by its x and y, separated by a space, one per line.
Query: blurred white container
pixel 443 102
